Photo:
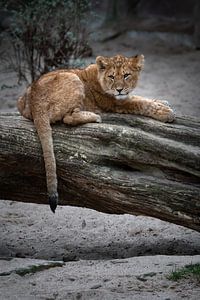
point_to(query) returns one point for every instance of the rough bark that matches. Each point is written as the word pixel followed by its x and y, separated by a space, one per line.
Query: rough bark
pixel 127 164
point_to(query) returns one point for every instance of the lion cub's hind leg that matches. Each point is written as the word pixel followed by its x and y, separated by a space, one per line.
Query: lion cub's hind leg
pixel 81 117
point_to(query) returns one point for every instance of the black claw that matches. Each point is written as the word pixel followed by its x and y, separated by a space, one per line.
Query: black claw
pixel 53 201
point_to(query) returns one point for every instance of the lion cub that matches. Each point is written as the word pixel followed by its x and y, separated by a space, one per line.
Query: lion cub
pixel 77 96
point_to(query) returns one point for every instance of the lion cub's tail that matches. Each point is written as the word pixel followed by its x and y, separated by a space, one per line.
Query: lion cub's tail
pixel 44 131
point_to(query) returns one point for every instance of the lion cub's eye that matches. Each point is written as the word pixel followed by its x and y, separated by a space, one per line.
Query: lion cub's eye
pixel 126 75
pixel 111 77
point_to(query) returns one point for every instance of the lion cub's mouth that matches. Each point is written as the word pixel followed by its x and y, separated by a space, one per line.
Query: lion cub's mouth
pixel 121 96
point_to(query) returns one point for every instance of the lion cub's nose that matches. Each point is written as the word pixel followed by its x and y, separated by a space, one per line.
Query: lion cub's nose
pixel 119 90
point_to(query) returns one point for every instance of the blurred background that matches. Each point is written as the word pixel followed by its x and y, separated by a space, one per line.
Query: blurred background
pixel 39 36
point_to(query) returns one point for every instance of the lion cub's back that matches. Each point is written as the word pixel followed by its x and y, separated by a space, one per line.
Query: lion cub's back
pixel 58 93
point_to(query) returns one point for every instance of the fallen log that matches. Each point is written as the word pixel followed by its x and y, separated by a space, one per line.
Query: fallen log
pixel 127 164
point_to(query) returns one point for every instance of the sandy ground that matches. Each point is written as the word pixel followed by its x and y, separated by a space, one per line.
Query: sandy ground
pixel 106 256
pixel 133 278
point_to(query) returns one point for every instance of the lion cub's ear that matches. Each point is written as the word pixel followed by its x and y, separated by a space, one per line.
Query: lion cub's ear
pixel 138 61
pixel 102 62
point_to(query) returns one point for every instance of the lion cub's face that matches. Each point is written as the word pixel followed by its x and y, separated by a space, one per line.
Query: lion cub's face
pixel 118 75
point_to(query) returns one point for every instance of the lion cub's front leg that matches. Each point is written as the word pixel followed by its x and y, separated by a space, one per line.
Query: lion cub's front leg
pixel 155 109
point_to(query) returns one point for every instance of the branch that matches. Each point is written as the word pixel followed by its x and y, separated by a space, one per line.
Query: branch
pixel 127 164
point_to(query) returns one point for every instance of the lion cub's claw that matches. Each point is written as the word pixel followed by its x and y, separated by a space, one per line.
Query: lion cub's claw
pixel 53 201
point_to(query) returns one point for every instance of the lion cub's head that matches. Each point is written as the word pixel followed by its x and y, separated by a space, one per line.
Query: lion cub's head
pixel 118 75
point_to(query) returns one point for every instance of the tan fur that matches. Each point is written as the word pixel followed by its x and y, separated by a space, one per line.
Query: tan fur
pixel 77 96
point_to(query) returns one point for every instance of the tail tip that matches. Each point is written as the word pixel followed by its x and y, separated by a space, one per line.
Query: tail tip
pixel 53 201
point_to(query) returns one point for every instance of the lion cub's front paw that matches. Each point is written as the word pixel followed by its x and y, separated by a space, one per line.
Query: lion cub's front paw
pixel 164 112
pixel 167 115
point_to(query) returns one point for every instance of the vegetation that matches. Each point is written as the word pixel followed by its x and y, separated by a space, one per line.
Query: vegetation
pixel 188 270
pixel 45 34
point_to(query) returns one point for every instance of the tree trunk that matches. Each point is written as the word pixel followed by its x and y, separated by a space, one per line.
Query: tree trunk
pixel 127 164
